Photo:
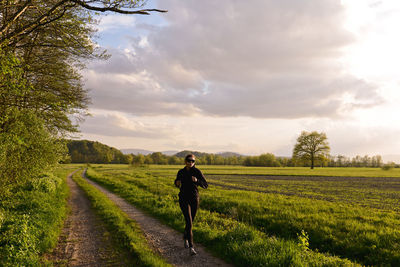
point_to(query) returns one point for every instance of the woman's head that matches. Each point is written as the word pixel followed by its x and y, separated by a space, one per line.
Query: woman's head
pixel 190 159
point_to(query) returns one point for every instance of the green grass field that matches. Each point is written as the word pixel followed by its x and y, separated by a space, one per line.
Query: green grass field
pixel 31 219
pixel 286 171
pixel 261 215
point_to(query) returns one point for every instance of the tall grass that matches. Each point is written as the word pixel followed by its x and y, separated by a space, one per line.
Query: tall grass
pixel 31 218
pixel 230 238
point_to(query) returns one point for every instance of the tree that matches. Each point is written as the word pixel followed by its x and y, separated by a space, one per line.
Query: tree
pixel 268 160
pixel 138 160
pixel 174 160
pixel 26 145
pixel 377 161
pixel 311 147
pixel 148 159
pixel 43 45
pixel 84 151
pixel 52 39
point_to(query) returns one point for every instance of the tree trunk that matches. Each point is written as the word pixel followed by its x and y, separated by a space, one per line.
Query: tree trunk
pixel 312 161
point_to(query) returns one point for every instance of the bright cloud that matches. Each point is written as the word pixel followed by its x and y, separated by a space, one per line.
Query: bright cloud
pixel 116 124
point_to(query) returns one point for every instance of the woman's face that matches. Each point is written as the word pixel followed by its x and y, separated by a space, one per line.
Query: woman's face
pixel 190 162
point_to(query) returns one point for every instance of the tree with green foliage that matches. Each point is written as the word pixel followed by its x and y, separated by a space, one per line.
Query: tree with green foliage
pixel 310 147
pixel 138 160
pixel 268 160
pixel 148 159
pixel 159 158
pixel 52 40
pixel 174 160
pixel 264 160
pixel 43 46
pixel 26 144
pixel 84 151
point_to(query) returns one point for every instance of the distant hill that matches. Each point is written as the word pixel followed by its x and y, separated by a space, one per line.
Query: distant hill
pixel 169 152
pixel 85 151
pixel 136 151
pixel 179 154
pixel 229 154
pixel 183 153
pixel 146 152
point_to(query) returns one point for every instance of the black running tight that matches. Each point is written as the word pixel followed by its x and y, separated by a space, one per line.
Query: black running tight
pixel 189 208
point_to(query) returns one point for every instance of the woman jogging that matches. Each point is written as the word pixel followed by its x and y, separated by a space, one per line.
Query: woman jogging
pixel 187 180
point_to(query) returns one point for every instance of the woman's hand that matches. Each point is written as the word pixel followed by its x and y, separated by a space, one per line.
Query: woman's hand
pixel 194 179
pixel 178 183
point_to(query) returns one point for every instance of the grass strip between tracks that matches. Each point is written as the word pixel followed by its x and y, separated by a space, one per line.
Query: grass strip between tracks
pixel 124 229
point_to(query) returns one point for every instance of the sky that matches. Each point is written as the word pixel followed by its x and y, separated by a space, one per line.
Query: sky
pixel 248 77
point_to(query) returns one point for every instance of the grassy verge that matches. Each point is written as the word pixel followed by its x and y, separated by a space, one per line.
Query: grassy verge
pixel 124 229
pixel 233 240
pixel 31 218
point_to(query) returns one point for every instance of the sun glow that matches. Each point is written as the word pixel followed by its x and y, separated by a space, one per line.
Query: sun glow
pixel 375 56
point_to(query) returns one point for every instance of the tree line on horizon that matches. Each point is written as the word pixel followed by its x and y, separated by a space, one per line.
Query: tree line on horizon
pixel 263 160
pixel 84 151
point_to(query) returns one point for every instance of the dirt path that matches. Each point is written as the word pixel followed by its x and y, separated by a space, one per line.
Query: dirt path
pixel 84 240
pixel 164 239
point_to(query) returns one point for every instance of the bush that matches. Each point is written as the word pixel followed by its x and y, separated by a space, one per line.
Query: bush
pixel 26 148
pixel 388 166
pixel 31 219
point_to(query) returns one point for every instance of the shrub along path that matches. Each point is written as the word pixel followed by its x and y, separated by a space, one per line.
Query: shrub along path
pixel 84 240
pixel 167 241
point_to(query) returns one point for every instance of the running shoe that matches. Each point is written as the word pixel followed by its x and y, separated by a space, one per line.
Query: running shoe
pixel 192 251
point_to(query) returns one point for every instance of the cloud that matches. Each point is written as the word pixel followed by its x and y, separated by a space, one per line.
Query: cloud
pixel 120 62
pixel 113 22
pixel 267 59
pixel 119 125
pixel 367 140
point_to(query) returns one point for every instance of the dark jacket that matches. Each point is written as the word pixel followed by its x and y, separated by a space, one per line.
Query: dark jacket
pixel 188 187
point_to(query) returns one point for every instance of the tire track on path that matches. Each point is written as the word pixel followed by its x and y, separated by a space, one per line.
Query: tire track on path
pixel 165 240
pixel 84 241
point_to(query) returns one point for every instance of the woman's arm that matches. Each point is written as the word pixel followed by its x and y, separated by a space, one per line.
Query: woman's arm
pixel 178 180
pixel 201 180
